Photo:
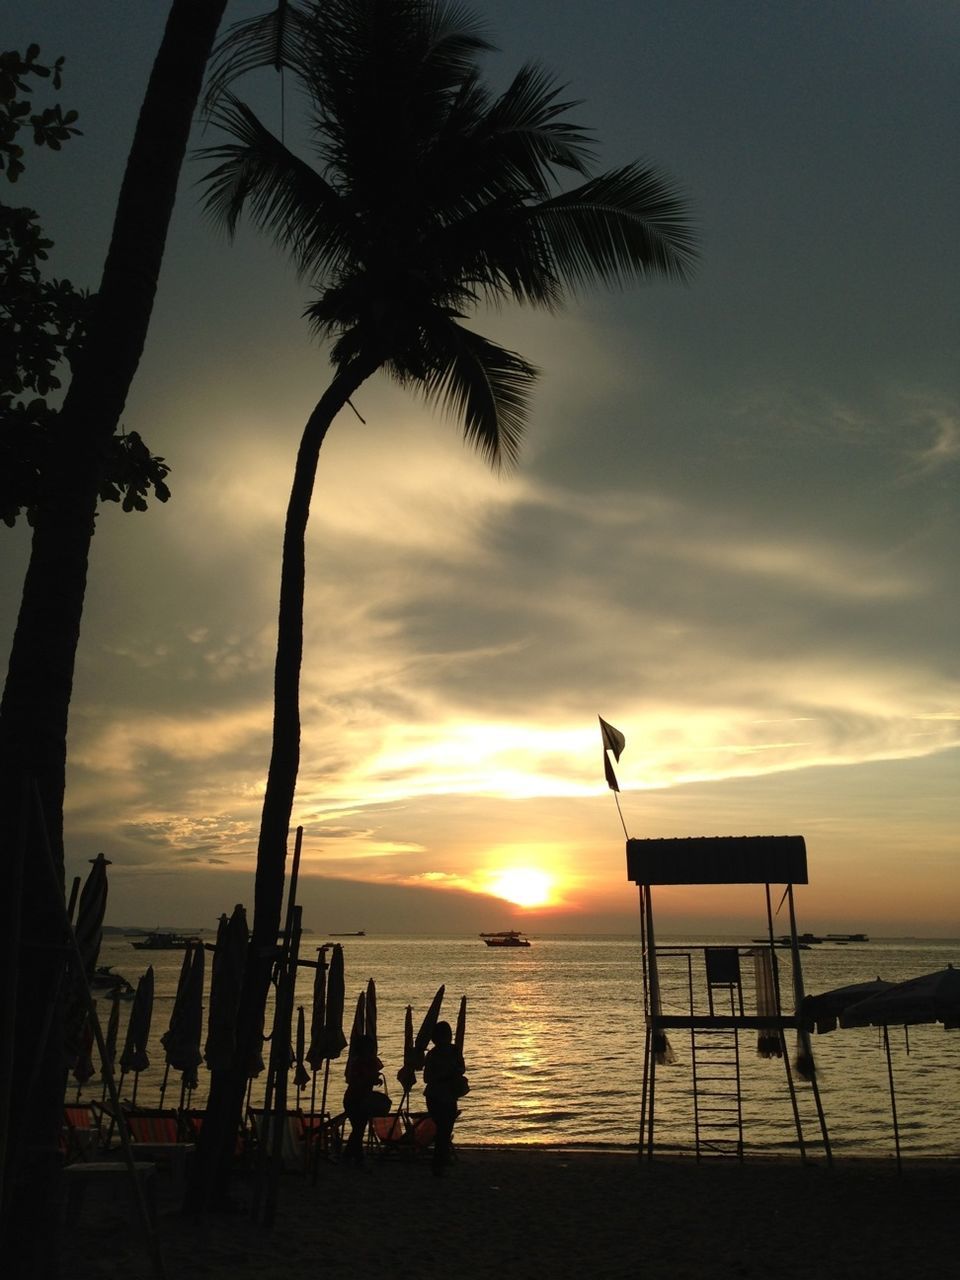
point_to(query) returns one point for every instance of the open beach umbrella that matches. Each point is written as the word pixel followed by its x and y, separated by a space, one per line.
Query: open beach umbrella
pixel 933 997
pixel 229 957
pixel 181 1040
pixel 370 1012
pixel 427 1026
pixel 134 1056
pixel 822 1012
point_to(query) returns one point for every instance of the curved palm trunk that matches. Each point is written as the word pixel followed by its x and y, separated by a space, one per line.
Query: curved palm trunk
pixel 208 1185
pixel 36 698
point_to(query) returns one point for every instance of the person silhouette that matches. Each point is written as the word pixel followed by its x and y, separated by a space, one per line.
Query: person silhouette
pixel 445 1082
pixel 360 1101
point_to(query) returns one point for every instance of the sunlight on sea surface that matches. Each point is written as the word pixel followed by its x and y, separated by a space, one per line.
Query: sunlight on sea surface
pixel 555 1039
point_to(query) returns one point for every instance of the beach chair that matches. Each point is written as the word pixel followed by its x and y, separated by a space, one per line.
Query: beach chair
pixel 191 1122
pixel 323 1136
pixel 294 1146
pixel 401 1134
pixel 81 1133
pixel 155 1135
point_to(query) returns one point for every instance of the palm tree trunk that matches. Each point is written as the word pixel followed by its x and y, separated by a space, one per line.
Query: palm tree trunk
pixel 36 697
pixel 208 1186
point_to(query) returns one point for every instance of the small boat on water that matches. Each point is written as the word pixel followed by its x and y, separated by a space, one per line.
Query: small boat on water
pixel 359 933
pixel 104 979
pixel 505 938
pixel 164 940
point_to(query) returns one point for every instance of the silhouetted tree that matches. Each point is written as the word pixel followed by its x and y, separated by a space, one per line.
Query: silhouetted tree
pixel 426 197
pixel 36 698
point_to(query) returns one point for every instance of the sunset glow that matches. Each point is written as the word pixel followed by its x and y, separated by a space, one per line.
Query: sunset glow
pixel 525 886
pixel 732 531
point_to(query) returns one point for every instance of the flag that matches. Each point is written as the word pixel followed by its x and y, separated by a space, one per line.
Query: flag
pixel 613 741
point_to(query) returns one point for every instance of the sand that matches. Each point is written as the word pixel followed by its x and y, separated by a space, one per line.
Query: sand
pixel 550 1213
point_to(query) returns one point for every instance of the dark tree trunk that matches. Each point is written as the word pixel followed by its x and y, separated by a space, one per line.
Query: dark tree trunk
pixel 36 698
pixel 210 1180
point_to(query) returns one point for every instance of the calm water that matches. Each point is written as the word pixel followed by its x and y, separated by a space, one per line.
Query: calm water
pixel 555 1038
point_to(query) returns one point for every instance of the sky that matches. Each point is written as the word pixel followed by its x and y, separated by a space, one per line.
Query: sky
pixel 733 534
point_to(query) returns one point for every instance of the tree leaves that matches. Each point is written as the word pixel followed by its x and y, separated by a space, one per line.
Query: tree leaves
pixel 43 324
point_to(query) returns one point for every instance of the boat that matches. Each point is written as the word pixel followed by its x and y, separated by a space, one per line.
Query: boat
pixel 104 979
pixel 783 944
pixel 360 933
pixel 164 940
pixel 505 938
pixel 847 937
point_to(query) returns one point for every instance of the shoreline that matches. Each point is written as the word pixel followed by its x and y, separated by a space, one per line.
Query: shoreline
pixel 554 1212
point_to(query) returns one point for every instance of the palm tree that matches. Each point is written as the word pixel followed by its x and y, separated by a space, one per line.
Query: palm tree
pixel 428 196
pixel 37 691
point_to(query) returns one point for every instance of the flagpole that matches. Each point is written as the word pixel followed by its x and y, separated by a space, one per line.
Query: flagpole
pixel 616 796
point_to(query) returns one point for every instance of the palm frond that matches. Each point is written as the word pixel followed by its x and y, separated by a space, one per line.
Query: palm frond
pixel 482 384
pixel 282 194
pixel 280 38
pixel 626 224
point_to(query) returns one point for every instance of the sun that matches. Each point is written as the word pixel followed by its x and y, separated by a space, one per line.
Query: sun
pixel 524 886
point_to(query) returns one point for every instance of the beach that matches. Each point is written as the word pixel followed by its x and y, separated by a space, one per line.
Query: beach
pixel 557 1213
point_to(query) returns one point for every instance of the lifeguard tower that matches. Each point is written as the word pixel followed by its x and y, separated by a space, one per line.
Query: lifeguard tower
pixel 715 1004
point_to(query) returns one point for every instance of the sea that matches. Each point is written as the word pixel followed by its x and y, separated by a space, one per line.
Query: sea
pixel 555 1035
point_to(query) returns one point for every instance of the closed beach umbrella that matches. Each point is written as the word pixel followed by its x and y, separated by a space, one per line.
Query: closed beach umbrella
pixel 461 1031
pixel 93 905
pixel 359 1023
pixel 407 1075
pixel 301 1076
pixel 83 1062
pixel 370 1012
pixel 110 1040
pixel 134 1056
pixel 327 1040
pixel 315 1054
pixel 113 1030
pixel 427 1027
pixel 334 1042
pixel 229 957
pixel 181 1040
pixel 88 931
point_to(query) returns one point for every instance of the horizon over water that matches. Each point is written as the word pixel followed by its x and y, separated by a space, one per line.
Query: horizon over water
pixel 554 1042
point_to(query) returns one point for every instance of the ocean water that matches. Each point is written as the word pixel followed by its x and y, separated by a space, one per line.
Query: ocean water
pixel 554 1043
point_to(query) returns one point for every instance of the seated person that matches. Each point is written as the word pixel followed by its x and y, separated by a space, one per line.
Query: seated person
pixel 361 1101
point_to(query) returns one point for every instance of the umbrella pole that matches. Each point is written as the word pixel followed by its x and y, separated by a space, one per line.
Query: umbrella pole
pixel 163 1082
pixel 323 1096
pixel 893 1097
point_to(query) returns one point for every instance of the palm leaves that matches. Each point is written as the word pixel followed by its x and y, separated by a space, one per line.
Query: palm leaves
pixel 428 195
